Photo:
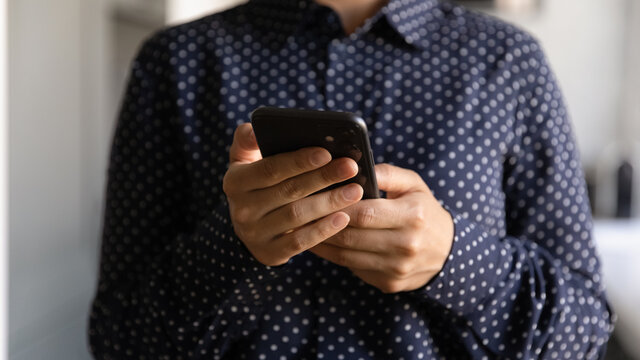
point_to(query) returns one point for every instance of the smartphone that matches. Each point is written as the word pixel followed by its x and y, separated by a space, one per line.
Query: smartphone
pixel 343 134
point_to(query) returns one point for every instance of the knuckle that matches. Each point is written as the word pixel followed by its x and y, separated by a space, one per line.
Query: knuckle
pixel 345 238
pixel 417 179
pixel 269 169
pixel 228 184
pixel 419 215
pixel 325 231
pixel 296 243
pixel 335 199
pixel 401 270
pixel 295 212
pixel 326 175
pixel 411 247
pixel 291 190
pixel 241 214
pixel 300 161
pixel 365 216
pixel 341 258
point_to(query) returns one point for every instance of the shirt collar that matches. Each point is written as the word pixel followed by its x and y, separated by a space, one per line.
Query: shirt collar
pixel 408 18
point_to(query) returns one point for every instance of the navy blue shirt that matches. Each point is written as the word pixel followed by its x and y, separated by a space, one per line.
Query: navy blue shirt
pixel 463 99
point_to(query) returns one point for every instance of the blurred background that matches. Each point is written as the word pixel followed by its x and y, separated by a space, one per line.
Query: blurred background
pixel 68 63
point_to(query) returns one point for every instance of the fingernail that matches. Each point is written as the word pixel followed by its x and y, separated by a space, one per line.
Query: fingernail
pixel 340 221
pixel 320 158
pixel 351 192
pixel 252 135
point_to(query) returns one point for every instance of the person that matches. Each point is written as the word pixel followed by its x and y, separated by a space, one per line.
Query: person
pixel 481 247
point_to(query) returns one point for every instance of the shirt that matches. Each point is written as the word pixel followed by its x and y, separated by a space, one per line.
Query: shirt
pixel 465 100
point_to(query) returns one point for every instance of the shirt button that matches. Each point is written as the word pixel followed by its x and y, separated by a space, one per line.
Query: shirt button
pixel 335 297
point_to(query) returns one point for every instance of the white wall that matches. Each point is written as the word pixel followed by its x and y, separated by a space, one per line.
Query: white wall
pixel 3 180
pixel 183 10
pixel 631 94
pixel 57 159
pixel 585 42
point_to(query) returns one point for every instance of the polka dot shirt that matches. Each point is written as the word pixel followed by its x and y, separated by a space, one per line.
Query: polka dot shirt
pixel 465 100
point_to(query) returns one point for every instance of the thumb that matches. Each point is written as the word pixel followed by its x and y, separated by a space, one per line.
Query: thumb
pixel 397 181
pixel 244 148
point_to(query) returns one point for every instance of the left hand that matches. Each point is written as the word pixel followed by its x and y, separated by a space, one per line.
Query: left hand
pixel 395 244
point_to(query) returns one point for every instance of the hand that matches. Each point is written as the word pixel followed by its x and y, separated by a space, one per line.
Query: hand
pixel 271 210
pixel 395 244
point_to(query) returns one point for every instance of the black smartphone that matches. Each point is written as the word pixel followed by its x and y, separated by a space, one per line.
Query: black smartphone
pixel 343 134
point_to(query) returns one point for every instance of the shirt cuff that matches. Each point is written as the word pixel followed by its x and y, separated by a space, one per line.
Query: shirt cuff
pixel 235 256
pixel 468 276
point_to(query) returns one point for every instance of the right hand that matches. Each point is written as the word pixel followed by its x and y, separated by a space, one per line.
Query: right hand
pixel 271 210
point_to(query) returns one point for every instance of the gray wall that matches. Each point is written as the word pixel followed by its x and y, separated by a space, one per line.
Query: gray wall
pixel 56 170
pixel 4 154
pixel 68 63
pixel 587 43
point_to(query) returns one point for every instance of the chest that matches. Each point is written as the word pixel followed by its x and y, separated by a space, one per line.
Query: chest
pixel 449 120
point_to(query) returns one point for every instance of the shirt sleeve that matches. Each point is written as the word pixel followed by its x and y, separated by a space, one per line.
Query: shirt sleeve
pixel 536 292
pixel 169 286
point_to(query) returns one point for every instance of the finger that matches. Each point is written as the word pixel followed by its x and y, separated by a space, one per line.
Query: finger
pixel 392 285
pixel 379 281
pixel 397 181
pixel 354 259
pixel 306 237
pixel 390 266
pixel 274 169
pixel 303 211
pixel 377 214
pixel 305 184
pixel 244 148
pixel 378 241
